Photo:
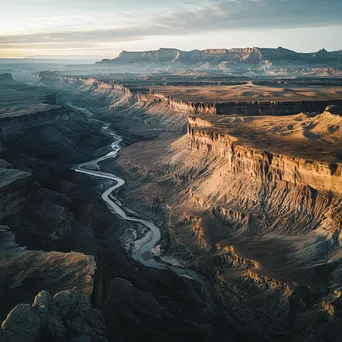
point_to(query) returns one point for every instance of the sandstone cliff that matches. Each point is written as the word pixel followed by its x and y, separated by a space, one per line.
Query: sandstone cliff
pixel 267 165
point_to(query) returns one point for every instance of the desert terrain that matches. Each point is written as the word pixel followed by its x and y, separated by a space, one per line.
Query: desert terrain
pixel 201 225
pixel 250 92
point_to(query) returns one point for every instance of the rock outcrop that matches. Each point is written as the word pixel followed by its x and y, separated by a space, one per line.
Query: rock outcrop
pixel 23 273
pixel 68 316
pixel 274 107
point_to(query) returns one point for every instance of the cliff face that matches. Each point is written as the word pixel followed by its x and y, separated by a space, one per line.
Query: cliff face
pixel 17 188
pixel 273 107
pixel 16 124
pixel 121 96
pixel 267 165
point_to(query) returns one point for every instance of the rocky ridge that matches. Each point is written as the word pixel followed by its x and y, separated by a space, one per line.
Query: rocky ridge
pixel 232 56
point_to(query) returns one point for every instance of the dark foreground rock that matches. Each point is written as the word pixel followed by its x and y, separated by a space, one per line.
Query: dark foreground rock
pixel 68 316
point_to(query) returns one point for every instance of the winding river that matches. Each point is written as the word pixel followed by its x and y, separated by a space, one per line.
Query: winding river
pixel 144 246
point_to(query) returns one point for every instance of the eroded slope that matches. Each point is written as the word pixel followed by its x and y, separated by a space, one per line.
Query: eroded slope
pixel 264 224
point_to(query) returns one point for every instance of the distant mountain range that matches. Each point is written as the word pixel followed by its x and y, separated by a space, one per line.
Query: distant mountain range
pixel 228 58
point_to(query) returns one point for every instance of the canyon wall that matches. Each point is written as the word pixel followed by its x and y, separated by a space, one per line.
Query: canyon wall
pixel 16 124
pixel 265 164
pixel 17 189
pixel 246 108
pixel 254 108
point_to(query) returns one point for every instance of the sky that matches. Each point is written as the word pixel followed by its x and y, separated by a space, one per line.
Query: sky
pixel 103 28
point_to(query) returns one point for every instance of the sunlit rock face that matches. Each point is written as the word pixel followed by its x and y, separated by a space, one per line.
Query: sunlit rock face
pixel 267 165
pixel 276 162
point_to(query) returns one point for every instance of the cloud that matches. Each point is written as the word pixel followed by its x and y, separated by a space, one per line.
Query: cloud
pixel 209 16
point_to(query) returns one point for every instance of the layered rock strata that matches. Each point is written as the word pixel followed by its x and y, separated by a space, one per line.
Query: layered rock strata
pixel 247 108
pixel 267 165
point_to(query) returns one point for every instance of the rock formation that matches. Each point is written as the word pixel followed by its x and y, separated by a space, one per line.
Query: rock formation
pixel 67 316
pixel 256 204
pixel 244 58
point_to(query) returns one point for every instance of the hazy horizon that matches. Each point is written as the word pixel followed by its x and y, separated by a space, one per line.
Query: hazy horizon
pixel 104 28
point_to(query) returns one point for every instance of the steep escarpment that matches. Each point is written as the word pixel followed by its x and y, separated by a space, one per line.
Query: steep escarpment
pixel 167 111
pixel 267 165
pixel 129 109
pixel 16 189
pixel 274 107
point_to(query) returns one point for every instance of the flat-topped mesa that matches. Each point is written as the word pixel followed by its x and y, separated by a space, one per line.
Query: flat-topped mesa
pixel 244 56
pixel 275 163
pixel 176 105
pixel 252 108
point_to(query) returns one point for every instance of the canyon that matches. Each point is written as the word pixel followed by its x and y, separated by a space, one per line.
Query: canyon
pixel 246 194
pixel 58 236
